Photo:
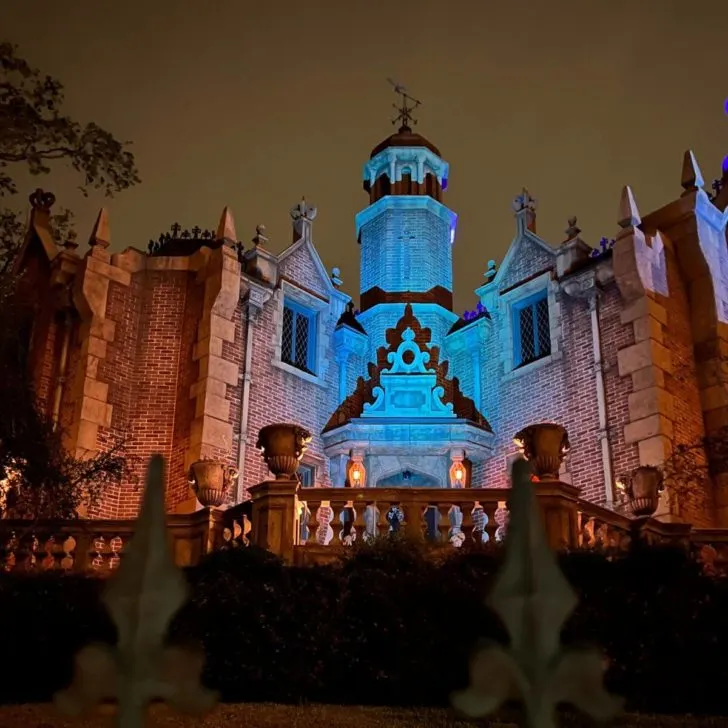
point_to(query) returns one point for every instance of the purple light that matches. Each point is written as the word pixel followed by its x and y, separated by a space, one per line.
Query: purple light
pixel 725 107
pixel 724 167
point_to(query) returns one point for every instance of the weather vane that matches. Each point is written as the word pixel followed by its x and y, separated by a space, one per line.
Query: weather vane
pixel 404 112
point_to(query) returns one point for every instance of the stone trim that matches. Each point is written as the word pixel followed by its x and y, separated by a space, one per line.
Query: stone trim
pixel 506 305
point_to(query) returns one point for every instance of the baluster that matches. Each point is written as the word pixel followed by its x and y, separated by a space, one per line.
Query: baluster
pixel 68 548
pixel 491 526
pixel 371 515
pixel 116 545
pixel 502 515
pixel 444 524
pixel 384 526
pixel 324 516
pixel 313 524
pixel 467 524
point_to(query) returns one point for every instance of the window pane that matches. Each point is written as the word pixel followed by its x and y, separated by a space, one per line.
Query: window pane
pixel 305 476
pixel 542 326
pixel 525 322
pixel 300 354
pixel 287 337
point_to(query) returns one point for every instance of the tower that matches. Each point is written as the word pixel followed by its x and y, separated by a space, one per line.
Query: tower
pixel 406 233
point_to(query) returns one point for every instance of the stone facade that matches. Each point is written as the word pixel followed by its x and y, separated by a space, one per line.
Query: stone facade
pixel 189 349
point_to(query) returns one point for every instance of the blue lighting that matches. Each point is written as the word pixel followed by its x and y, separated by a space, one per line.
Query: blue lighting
pixel 724 167
pixel 725 107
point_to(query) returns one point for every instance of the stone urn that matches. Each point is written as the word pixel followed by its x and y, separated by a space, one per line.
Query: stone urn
pixel 211 480
pixel 544 445
pixel 282 446
pixel 643 490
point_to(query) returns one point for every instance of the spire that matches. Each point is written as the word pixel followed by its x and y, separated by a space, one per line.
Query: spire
pixel 692 177
pixel 525 208
pixel 302 216
pixel 226 227
pixel 101 234
pixel 629 215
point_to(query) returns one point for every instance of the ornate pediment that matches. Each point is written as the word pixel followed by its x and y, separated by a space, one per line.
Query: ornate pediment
pixel 408 380
pixel 408 388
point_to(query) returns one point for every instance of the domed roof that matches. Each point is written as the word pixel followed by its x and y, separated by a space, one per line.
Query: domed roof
pixel 405 137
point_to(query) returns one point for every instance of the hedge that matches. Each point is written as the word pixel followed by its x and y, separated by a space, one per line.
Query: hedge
pixel 388 626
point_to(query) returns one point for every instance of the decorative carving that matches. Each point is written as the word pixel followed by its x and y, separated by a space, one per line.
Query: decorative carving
pixel 142 597
pixel 572 231
pixel 534 600
pixel 211 480
pixel 180 242
pixel 643 488
pixel 43 201
pixel 303 215
pixel 605 245
pixel 524 201
pixel 545 445
pixel 282 446
pixel 336 277
pixel 260 236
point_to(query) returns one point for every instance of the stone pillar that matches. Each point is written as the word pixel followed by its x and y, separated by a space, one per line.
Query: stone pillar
pixel 90 295
pixel 211 432
pixel 648 360
pixel 558 503
pixel 275 517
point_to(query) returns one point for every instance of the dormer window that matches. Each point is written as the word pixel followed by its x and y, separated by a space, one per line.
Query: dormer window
pixel 298 341
pixel 532 329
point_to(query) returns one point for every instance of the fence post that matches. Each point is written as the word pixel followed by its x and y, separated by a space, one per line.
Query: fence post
pixel 275 517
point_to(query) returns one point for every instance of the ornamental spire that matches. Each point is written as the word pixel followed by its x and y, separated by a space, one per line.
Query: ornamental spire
pixel 404 112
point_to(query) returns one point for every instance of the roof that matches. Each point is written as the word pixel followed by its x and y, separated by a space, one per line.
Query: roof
pixel 405 137
pixel 348 318
pixel 353 406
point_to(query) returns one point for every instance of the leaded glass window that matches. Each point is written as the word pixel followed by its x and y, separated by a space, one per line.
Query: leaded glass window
pixel 532 330
pixel 298 339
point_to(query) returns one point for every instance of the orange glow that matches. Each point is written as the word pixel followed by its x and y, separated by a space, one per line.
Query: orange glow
pixel 356 472
pixel 459 474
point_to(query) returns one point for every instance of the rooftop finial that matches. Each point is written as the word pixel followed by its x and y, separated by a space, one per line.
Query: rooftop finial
pixel 404 112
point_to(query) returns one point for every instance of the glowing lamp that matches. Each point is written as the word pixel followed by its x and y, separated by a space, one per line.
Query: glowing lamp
pixel 459 473
pixel 355 473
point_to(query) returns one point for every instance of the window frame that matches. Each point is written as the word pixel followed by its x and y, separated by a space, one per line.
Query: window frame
pixel 532 301
pixel 309 467
pixel 311 315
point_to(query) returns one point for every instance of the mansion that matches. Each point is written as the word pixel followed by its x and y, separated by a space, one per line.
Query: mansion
pixel 189 348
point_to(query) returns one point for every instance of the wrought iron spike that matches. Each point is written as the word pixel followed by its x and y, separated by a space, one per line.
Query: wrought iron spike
pixel 533 599
pixel 142 597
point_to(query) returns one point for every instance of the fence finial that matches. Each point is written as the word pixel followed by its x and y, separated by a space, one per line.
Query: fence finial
pixel 142 598
pixel 534 600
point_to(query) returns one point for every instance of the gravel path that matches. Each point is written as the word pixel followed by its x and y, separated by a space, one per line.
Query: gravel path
pixel 313 716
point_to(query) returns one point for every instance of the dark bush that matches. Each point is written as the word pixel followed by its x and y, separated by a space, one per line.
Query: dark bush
pixel 389 625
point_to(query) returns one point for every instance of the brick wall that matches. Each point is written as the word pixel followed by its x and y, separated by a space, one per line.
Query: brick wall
pixel 406 250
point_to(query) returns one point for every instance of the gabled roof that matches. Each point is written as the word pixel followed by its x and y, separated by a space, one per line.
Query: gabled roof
pixel 305 242
pixel 353 406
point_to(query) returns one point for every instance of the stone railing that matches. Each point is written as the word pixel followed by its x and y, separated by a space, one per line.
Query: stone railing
pixel 312 525
pixel 98 545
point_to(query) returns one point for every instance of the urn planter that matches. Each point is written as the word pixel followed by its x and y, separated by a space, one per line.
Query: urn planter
pixel 282 446
pixel 211 481
pixel 545 446
pixel 643 490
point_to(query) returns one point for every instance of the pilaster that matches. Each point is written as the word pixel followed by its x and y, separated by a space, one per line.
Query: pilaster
pixel 211 431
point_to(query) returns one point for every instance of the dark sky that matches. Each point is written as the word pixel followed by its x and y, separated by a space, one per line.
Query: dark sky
pixel 254 104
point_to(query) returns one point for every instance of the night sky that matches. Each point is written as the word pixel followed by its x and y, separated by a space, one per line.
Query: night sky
pixel 254 104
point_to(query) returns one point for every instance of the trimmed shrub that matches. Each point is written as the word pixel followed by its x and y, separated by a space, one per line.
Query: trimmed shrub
pixel 389 625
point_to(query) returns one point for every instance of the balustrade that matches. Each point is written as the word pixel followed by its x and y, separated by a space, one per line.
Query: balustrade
pixel 340 516
pixel 98 545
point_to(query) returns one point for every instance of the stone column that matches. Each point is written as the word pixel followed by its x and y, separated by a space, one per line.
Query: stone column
pixel 648 360
pixel 275 517
pixel 211 431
